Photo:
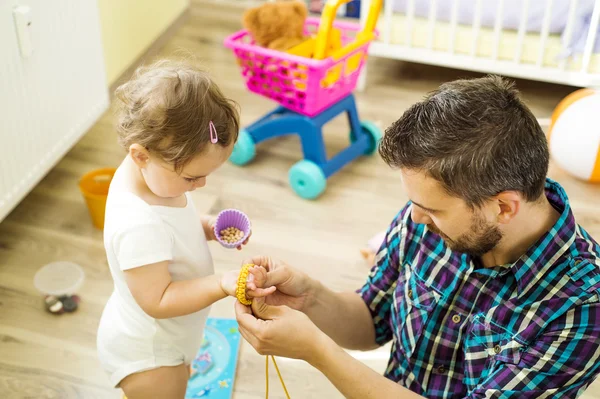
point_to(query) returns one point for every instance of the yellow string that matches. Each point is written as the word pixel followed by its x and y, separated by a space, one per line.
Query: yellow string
pixel 267 376
pixel 240 293
pixel 287 395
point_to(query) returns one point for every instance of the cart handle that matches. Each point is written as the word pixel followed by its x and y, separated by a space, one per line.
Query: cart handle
pixel 326 23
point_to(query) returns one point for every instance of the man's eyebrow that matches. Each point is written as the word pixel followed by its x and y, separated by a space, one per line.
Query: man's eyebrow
pixel 424 207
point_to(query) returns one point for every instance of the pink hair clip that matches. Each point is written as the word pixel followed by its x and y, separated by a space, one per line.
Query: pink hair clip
pixel 213 133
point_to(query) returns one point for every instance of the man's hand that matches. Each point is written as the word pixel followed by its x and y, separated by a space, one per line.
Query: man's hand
pixel 279 330
pixel 343 316
pixel 294 288
pixel 256 280
pixel 289 333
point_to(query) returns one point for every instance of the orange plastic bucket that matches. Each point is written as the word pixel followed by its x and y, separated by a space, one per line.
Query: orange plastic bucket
pixel 94 187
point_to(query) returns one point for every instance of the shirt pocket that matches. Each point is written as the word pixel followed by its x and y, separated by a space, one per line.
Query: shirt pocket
pixel 488 347
pixel 417 302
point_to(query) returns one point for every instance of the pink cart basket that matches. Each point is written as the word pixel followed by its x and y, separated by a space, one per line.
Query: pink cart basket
pixel 308 84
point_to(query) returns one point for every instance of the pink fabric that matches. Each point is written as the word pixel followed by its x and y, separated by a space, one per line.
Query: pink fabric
pixel 375 243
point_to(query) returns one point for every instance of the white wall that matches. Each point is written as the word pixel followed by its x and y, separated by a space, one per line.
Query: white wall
pixel 49 100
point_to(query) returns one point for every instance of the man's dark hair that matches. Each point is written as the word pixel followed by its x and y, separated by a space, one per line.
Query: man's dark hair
pixel 476 137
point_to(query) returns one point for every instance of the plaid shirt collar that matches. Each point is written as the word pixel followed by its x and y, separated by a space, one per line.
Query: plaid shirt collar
pixel 541 256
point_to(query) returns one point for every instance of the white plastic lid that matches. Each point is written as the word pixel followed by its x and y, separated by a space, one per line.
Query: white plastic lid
pixel 59 278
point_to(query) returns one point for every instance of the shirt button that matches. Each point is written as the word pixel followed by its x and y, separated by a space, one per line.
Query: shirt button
pixel 497 349
pixel 409 292
pixel 441 369
pixel 456 319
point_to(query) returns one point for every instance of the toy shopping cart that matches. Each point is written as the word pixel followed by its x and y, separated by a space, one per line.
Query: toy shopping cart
pixel 313 83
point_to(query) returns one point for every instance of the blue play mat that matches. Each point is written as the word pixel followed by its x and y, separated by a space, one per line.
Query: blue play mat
pixel 213 369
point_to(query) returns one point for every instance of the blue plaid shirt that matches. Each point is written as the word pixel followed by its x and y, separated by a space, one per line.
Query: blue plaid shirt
pixel 530 329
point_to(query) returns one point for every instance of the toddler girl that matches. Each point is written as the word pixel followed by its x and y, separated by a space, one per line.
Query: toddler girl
pixel 177 128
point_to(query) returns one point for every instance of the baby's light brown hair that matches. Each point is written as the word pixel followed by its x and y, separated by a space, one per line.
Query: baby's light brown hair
pixel 167 108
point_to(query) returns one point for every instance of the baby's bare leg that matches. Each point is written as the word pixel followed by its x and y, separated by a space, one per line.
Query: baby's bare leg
pixel 159 383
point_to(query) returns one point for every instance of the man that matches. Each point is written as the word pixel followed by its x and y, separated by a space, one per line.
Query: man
pixel 485 284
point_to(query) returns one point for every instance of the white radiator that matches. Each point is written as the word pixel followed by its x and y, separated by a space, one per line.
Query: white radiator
pixel 49 99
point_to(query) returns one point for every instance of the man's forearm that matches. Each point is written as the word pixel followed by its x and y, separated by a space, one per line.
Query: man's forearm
pixel 354 379
pixel 342 316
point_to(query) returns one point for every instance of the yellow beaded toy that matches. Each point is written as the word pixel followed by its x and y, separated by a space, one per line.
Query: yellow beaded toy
pixel 240 293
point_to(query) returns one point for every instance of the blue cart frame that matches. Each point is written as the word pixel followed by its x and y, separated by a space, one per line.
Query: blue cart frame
pixel 308 178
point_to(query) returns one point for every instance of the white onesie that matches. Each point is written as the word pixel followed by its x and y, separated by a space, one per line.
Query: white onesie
pixel 137 234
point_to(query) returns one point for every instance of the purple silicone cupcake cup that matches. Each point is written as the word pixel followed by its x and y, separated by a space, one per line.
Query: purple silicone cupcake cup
pixel 232 218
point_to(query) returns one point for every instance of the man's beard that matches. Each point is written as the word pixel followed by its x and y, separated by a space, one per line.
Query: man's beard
pixel 482 238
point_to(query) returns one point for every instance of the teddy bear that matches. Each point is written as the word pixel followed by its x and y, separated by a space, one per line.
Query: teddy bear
pixel 277 25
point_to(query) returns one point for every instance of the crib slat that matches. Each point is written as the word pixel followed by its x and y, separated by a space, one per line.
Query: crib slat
pixel 410 18
pixel 545 31
pixel 498 28
pixel 476 27
pixel 522 28
pixel 569 30
pixel 453 22
pixel 591 37
pixel 431 24
pixel 387 30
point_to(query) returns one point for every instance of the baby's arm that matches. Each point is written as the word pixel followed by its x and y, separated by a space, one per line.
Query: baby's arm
pixel 161 298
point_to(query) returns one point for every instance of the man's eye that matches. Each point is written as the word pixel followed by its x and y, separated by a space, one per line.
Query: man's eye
pixel 190 179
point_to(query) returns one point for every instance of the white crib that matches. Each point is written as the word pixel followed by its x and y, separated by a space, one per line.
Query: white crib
pixel 546 40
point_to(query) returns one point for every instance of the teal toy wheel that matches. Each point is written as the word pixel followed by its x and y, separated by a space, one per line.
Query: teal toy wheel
pixel 374 134
pixel 307 179
pixel 244 149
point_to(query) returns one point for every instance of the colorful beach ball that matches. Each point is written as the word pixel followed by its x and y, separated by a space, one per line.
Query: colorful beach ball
pixel 574 135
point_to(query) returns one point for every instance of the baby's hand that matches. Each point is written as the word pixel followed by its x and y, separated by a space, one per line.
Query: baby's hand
pixel 208 224
pixel 239 247
pixel 257 277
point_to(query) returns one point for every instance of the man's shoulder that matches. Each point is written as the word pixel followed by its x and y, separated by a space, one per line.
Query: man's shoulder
pixel 584 261
pixel 586 245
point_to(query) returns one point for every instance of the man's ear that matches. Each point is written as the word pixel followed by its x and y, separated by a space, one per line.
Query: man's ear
pixel 508 205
